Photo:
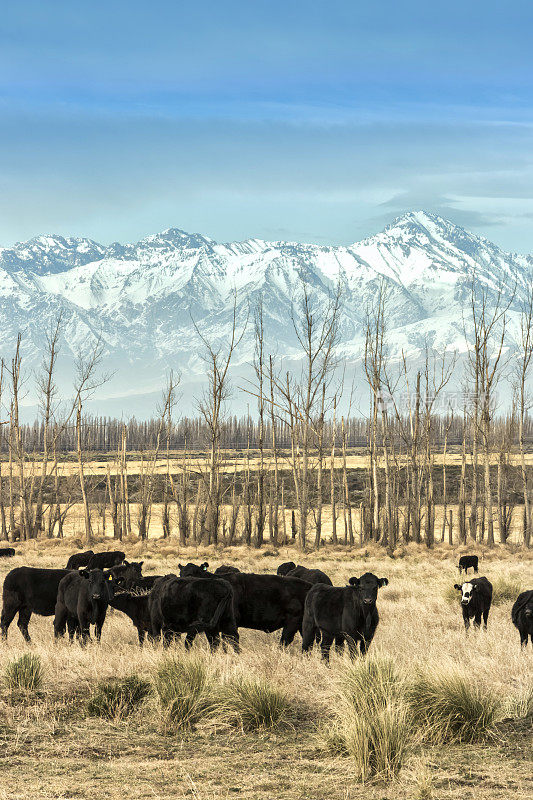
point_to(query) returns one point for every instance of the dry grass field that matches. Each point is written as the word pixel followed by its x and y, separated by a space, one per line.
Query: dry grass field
pixel 51 747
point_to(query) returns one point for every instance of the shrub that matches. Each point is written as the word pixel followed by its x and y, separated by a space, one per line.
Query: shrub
pixel 372 723
pixel 24 674
pixel 255 703
pixel 451 706
pixel 118 697
pixel 522 706
pixel 505 589
pixel 186 689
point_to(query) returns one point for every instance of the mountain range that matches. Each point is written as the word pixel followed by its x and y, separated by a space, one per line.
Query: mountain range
pixel 145 301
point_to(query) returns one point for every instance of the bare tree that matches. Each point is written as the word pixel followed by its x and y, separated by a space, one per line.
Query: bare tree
pixel 211 407
pixel 523 399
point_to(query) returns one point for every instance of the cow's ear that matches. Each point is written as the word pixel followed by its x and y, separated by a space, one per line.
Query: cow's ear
pixel 205 565
pixel 180 566
pixel 354 581
pixel 126 563
pixel 84 573
pixel 140 564
pixel 383 582
pixel 457 586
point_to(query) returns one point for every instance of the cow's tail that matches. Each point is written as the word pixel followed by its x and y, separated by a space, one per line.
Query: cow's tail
pixel 220 610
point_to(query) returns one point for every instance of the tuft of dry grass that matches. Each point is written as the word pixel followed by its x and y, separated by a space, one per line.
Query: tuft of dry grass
pixel 118 697
pixel 452 705
pixel 255 703
pixel 24 674
pixel 372 719
pixel 187 689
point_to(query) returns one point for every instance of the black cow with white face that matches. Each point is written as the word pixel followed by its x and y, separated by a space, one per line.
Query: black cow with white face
pixel 342 613
pixel 522 616
pixel 476 599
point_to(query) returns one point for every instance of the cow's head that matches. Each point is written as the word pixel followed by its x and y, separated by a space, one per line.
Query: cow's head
pixel 467 591
pixel 100 585
pixel 285 568
pixel 126 574
pixel 368 585
pixel 193 570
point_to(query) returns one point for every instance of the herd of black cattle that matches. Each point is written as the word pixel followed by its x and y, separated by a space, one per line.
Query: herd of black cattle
pixel 296 599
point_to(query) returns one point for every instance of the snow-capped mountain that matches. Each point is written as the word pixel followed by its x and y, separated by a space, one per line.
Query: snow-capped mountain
pixel 145 299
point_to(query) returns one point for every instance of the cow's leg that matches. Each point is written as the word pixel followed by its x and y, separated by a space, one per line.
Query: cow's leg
pixel 141 634
pixel 325 644
pixel 339 643
pixel 485 617
pixel 170 636
pixel 8 615
pixel 309 632
pixel 23 622
pixel 523 638
pixel 231 637
pixel 72 627
pixel 289 632
pixel 99 625
pixel 466 620
pixel 60 621
pixel 84 627
pixel 477 620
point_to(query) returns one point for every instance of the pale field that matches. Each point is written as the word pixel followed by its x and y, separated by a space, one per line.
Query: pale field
pixel 50 748
pixel 75 524
pixel 236 461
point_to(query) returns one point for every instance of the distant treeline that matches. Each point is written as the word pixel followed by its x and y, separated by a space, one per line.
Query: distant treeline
pixel 104 434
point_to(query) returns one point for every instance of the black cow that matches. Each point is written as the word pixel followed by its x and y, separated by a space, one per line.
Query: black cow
pixel 310 575
pixel 465 562
pixel 226 569
pixel 195 570
pixel 476 599
pixel 342 613
pixel 190 606
pixel 134 604
pixel 263 602
pixel 29 590
pixel 286 567
pixel 522 616
pixel 82 601
pixel 7 552
pixel 129 570
pixel 106 560
pixel 78 560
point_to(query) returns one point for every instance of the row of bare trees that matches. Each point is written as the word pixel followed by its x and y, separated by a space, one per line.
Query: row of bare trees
pixel 426 473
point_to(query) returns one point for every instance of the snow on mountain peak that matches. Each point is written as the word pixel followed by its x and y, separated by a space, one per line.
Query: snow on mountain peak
pixel 141 297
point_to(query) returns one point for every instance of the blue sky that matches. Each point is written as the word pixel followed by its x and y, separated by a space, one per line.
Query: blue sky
pixel 312 121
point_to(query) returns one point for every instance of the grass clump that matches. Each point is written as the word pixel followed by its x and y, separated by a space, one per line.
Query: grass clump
pixel 372 723
pixel 24 674
pixel 257 704
pixel 451 706
pixel 118 697
pixel 505 589
pixel 187 689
